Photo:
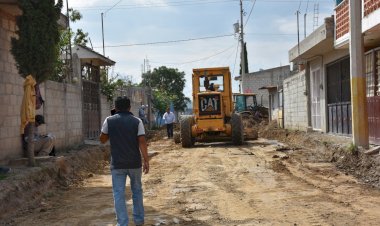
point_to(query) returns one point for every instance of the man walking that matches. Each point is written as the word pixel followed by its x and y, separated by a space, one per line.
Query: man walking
pixel 127 138
pixel 169 119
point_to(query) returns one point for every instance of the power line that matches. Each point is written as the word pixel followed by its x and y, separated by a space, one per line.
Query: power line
pixel 157 5
pixel 253 5
pixel 194 39
pixel 201 59
pixel 171 41
pixel 299 7
pixel 112 6
pixel 179 3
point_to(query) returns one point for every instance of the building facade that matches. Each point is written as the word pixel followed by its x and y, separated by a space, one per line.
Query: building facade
pixel 325 59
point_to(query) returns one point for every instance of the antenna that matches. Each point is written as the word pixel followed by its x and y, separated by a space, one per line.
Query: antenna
pixel 304 18
pixel 316 15
pixel 89 39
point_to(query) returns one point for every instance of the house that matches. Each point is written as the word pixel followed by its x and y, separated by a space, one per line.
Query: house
pixel 322 101
pixel 265 84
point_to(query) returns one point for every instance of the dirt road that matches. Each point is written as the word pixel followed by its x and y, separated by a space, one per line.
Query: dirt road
pixel 220 184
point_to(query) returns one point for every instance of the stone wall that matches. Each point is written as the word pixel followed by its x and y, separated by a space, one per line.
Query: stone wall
pixel 295 102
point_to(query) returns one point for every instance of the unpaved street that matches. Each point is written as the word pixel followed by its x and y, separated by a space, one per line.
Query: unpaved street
pixel 220 184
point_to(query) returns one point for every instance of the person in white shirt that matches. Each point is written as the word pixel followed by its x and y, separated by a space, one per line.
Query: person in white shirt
pixel 169 118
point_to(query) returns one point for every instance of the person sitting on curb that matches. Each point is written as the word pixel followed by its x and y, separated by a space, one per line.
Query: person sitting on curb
pixel 43 143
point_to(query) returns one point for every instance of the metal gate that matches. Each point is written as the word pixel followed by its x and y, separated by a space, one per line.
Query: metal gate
pixel 91 102
pixel 339 97
pixel 372 71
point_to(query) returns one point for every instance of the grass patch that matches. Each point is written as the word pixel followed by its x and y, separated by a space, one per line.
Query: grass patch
pixel 352 149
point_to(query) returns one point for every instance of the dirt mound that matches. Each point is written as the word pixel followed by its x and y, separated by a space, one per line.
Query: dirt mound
pixel 318 147
pixel 25 187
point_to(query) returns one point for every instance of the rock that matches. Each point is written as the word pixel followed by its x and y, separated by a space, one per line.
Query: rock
pixel 373 150
pixel 175 220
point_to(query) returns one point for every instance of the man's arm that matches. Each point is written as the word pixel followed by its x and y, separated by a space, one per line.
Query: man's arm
pixel 103 138
pixel 104 134
pixel 144 152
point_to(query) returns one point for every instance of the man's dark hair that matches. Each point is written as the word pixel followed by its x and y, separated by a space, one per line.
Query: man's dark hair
pixel 122 103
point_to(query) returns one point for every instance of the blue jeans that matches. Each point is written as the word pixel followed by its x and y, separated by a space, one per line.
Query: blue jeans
pixel 119 178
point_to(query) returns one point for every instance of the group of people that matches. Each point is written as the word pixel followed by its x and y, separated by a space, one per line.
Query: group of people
pixel 129 154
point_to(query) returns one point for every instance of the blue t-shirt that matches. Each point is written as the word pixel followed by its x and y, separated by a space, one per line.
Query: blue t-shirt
pixel 123 130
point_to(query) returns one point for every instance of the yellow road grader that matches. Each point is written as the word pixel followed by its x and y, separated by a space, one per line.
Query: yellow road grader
pixel 213 116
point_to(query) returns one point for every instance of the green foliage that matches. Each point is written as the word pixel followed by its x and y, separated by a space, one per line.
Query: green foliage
pixel 352 148
pixel 74 15
pixel 66 35
pixel 167 85
pixel 36 48
pixel 81 38
pixel 161 100
pixel 109 86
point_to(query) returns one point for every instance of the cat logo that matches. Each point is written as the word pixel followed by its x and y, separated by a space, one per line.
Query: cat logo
pixel 209 104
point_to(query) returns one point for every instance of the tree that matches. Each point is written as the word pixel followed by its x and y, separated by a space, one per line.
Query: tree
pixel 80 37
pixel 67 36
pixel 167 83
pixel 245 59
pixel 36 49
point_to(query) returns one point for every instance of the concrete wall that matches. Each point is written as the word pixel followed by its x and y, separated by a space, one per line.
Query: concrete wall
pixel 251 82
pixel 105 108
pixel 63 112
pixel 62 108
pixel 137 95
pixel 295 102
pixel 11 91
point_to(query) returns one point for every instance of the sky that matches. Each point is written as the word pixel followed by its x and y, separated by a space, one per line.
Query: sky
pixel 155 30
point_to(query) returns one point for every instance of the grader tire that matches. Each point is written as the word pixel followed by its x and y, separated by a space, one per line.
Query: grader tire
pixel 186 139
pixel 177 137
pixel 237 129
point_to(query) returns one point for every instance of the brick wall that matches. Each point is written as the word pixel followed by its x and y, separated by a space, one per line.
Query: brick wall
pixel 295 102
pixel 370 6
pixel 251 82
pixel 342 18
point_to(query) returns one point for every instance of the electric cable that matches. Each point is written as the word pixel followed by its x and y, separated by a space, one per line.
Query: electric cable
pixel 192 61
pixel 253 5
pixel 237 50
pixel 165 42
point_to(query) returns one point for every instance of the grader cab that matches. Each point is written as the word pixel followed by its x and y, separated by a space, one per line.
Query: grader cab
pixel 213 116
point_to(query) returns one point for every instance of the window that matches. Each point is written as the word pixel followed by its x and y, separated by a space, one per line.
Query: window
pixel 211 83
pixel 372 72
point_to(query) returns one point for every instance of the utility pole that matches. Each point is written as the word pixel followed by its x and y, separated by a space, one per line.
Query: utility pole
pixel 70 64
pixel 358 79
pixel 104 52
pixel 298 30
pixel 242 41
